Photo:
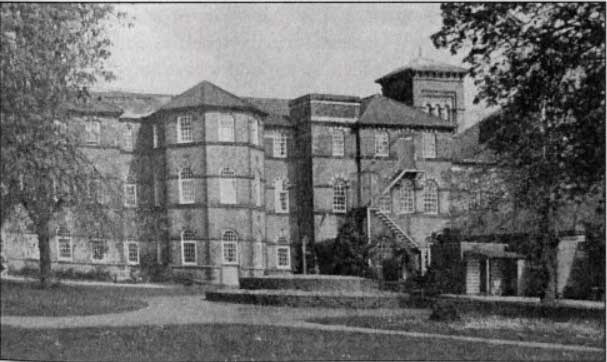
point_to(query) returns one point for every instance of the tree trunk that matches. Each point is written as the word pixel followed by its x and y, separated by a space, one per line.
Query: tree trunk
pixel 45 253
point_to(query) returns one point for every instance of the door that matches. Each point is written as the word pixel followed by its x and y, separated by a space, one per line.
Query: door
pixel 483 276
pixel 229 275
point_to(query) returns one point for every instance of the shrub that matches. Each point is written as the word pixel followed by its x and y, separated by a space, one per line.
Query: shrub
pixel 183 278
pixel 444 311
pixel 391 269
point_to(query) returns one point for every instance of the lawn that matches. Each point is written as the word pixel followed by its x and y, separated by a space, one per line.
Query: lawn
pixel 28 299
pixel 573 331
pixel 244 342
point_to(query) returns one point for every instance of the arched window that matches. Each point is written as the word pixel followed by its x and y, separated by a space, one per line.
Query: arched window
pixel 382 143
pixel 186 186
pixel 338 142
pixel 64 243
pixel 229 242
pixel 188 247
pixel 406 197
pixel 281 196
pixel 340 200
pixel 227 187
pixel 447 113
pixel 431 197
pixel 385 204
pixel 438 110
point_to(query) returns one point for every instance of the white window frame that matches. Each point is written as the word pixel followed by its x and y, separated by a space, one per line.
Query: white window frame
pixel 93 132
pixel 406 197
pixel 94 244
pixel 281 193
pixel 288 255
pixel 154 136
pixel 127 202
pixel 340 201
pixel 279 149
pixel 185 135
pixel 382 144
pixel 431 197
pixel 129 243
pixel 229 238
pixel 129 135
pixel 186 198
pixel 62 237
pixel 254 131
pixel 157 201
pixel 429 141
pixel 227 187
pixel 225 127
pixel 385 204
pixel 190 241
pixel 338 142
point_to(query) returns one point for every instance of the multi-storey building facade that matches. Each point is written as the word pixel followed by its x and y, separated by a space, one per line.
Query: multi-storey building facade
pixel 231 186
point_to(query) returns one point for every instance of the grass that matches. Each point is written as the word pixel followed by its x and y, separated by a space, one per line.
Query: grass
pixel 574 331
pixel 28 299
pixel 244 342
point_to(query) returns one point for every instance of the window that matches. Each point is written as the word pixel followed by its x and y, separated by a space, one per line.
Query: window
pixel 99 249
pixel 132 249
pixel 447 113
pixel 339 196
pixel 154 136
pixel 429 108
pixel 429 140
pixel 184 129
pixel 130 195
pixel 280 145
pixel 431 197
pixel 475 201
pixel 254 131
pixel 338 142
pixel 226 128
pixel 227 187
pixel 283 257
pixel 406 197
pixel 157 201
pixel 281 195
pixel 382 143
pixel 385 204
pixel 439 111
pixel 129 138
pixel 230 247
pixel 257 191
pixel 64 244
pixel 188 247
pixel 93 132
pixel 186 186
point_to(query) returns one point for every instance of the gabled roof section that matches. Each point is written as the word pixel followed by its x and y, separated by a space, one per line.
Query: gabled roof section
pixel 208 94
pixel 277 110
pixel 421 64
pixel 383 111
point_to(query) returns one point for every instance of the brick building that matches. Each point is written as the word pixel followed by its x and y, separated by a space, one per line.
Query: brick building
pixel 223 186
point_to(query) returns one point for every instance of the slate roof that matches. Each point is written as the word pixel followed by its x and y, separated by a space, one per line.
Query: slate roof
pixel 421 64
pixel 276 108
pixel 380 110
pixel 208 94
pixel 135 105
pixel 92 105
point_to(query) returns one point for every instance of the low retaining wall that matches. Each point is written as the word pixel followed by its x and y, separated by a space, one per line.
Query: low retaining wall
pixel 317 283
pixel 310 299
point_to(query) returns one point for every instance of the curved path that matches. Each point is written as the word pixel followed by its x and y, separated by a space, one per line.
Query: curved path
pixel 195 310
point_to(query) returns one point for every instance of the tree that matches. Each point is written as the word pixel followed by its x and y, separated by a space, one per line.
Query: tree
pixel 51 54
pixel 544 65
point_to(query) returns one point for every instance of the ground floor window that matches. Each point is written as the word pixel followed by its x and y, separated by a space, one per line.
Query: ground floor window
pixel 99 250
pixel 64 246
pixel 132 248
pixel 283 256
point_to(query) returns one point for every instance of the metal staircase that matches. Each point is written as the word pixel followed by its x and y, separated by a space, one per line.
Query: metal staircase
pixel 397 230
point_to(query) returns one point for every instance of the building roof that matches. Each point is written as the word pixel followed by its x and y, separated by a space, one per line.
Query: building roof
pixel 381 110
pixel 493 254
pixel 208 94
pixel 421 64
pixel 134 105
pixel 276 108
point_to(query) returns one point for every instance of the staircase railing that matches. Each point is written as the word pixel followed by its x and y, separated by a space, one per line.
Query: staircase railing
pixel 396 229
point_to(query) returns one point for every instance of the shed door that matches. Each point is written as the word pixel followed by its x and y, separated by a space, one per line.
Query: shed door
pixel 472 276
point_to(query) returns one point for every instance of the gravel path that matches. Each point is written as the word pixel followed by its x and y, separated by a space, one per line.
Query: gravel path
pixel 168 310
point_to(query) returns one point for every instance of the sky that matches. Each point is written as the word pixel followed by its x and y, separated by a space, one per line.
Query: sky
pixel 272 50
